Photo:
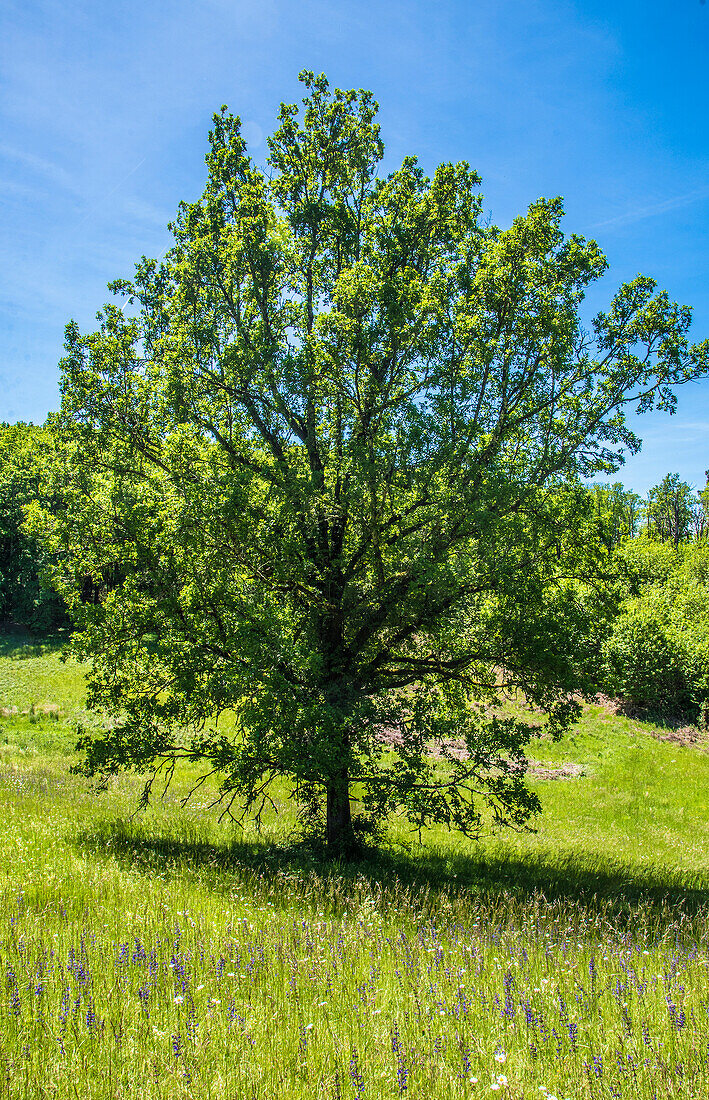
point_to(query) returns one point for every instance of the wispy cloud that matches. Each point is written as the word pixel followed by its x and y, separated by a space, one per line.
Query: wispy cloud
pixel 41 166
pixel 652 210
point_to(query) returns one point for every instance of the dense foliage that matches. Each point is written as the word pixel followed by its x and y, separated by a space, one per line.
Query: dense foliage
pixel 618 514
pixel 674 511
pixel 657 654
pixel 323 469
pixel 26 596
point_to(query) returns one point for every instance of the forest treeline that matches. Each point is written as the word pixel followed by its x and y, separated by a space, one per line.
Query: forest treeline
pixel 654 639
pixel 26 477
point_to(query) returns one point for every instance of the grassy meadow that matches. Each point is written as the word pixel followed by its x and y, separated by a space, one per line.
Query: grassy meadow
pixel 165 955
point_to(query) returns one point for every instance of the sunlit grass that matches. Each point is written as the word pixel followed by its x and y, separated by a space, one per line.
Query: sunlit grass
pixel 169 956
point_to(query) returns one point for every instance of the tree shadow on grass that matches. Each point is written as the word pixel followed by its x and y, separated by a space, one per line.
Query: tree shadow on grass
pixel 428 878
pixel 19 644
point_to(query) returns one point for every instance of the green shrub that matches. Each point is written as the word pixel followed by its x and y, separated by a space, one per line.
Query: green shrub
pixel 657 653
pixel 645 664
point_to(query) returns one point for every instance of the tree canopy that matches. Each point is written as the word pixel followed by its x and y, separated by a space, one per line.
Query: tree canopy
pixel 674 511
pixel 618 513
pixel 323 467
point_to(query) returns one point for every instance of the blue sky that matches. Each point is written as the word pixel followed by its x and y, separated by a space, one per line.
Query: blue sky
pixel 105 107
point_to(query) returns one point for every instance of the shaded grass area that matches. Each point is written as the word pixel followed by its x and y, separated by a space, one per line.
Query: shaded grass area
pixel 427 871
pixel 176 957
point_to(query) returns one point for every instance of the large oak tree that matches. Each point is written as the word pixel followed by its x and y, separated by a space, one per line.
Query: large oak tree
pixel 323 467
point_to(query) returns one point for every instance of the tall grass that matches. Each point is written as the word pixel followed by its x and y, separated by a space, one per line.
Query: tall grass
pixel 168 956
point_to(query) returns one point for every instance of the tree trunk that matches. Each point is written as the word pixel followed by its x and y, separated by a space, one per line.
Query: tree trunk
pixel 340 835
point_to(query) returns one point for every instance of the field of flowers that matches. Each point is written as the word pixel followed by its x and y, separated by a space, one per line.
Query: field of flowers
pixel 289 1002
pixel 166 957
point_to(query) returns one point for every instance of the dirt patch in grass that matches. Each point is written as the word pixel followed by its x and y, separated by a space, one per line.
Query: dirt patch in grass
pixel 674 729
pixel 457 749
pixel 537 770
pixel 683 735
